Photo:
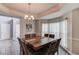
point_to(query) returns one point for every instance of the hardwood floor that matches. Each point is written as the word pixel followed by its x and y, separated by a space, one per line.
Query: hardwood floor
pixel 11 47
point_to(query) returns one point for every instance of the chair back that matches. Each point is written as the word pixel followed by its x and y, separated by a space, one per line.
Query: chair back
pixel 51 35
pixel 46 35
pixel 25 48
pixel 53 47
pixel 33 35
pixel 19 41
pixel 58 42
pixel 21 46
pixel 27 36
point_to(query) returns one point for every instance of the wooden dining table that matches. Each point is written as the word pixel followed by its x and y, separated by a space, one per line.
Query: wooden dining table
pixel 38 42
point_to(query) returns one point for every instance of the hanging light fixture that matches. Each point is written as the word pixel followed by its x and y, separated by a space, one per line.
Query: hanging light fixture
pixel 29 17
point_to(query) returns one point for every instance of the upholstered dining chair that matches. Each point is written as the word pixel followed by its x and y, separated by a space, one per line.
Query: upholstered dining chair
pixel 53 47
pixel 28 50
pixel 46 35
pixel 27 35
pixel 33 35
pixel 58 44
pixel 51 35
pixel 21 46
pixel 25 49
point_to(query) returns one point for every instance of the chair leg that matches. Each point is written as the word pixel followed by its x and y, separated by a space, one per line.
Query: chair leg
pixel 21 51
pixel 57 52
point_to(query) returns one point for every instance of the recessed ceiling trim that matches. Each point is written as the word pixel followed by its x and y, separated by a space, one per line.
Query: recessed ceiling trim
pixel 55 8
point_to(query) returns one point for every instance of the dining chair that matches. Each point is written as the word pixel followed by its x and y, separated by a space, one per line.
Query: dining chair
pixel 27 35
pixel 53 48
pixel 51 35
pixel 21 46
pixel 25 49
pixel 28 50
pixel 33 35
pixel 58 44
pixel 46 35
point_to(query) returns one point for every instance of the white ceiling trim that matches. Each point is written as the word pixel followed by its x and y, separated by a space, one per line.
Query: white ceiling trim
pixel 9 12
pixel 67 7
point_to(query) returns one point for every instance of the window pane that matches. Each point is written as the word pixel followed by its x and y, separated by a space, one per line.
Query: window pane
pixel 54 29
pixel 64 33
pixel 5 31
pixel 17 30
pixel 44 28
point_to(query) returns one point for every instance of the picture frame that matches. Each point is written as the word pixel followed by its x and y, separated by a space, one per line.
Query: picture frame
pixel 29 27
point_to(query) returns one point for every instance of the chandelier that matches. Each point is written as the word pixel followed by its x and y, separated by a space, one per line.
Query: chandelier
pixel 29 17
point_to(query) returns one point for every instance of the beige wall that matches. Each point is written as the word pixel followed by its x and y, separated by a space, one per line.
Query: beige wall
pixel 75 24
pixel 23 30
pixel 38 27
pixel 75 31
pixel 75 46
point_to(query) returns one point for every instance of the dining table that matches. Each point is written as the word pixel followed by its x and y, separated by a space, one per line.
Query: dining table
pixel 38 42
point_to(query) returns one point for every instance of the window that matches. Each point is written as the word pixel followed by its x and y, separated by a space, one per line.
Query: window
pixel 44 28
pixel 5 31
pixel 63 31
pixel 17 30
pixel 9 27
pixel 54 29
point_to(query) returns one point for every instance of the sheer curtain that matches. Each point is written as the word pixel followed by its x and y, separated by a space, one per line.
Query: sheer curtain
pixel 17 30
pixel 44 28
pixel 5 31
pixel 9 27
pixel 54 28
pixel 63 31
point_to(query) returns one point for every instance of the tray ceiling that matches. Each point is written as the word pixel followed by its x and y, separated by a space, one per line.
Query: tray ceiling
pixel 35 8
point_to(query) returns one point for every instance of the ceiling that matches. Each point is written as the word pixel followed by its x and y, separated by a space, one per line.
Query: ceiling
pixel 68 7
pixel 39 10
pixel 36 9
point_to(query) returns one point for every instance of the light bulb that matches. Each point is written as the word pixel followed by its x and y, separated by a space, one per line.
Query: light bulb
pixel 32 17
pixel 26 16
